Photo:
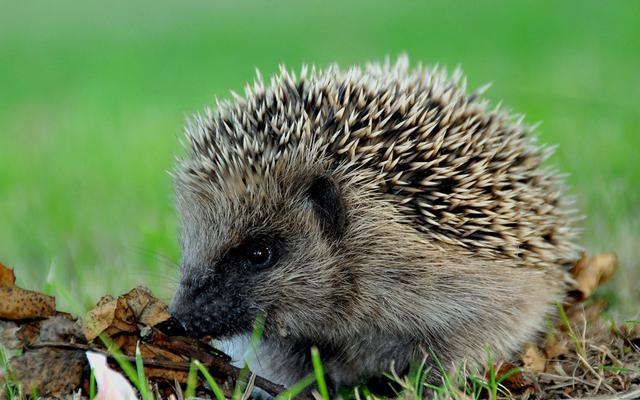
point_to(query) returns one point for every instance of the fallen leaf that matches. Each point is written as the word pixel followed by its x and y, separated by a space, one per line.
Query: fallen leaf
pixel 124 314
pixel 60 328
pixel 166 373
pixel 29 334
pixel 99 319
pixel 7 277
pixel 515 380
pixel 556 345
pixel 150 351
pixel 590 273
pixel 53 344
pixel 50 372
pixel 9 335
pixel 533 359
pixel 147 309
pixel 18 304
pixel 579 265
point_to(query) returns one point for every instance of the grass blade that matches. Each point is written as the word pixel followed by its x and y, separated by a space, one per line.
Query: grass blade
pixel 318 370
pixel 574 338
pixel 143 388
pixel 212 382
pixel 192 381
pixel 92 385
pixel 510 372
pixel 297 388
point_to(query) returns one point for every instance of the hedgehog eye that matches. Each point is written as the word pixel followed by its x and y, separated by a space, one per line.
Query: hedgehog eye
pixel 259 255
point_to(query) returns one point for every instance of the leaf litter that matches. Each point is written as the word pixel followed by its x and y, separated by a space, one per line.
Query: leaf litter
pixel 582 355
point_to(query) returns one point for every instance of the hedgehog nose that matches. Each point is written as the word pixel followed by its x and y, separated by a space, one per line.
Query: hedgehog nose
pixel 189 308
pixel 177 309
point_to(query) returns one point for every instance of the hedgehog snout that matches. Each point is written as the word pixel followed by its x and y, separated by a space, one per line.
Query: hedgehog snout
pixel 180 309
pixel 194 308
pixel 205 307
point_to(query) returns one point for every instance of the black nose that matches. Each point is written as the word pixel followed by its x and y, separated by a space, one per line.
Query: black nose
pixel 192 312
pixel 172 327
pixel 180 309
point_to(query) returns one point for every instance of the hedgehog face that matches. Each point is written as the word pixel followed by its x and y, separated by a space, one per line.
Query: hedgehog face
pixel 272 246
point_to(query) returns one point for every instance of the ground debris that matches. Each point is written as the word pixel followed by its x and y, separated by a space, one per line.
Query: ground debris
pixel 49 348
pixel 582 355
pixel 7 277
pixel 533 359
pixel 20 304
pixel 590 272
pixel 127 313
pixel 50 371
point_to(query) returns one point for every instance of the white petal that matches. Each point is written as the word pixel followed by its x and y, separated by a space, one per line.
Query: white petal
pixel 111 384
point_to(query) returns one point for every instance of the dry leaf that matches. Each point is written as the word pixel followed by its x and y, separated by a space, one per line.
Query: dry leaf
pixel 60 328
pixel 54 344
pixel 166 373
pixel 150 351
pixel 124 314
pixel 7 277
pixel 126 343
pixel 146 309
pixel 18 304
pixel 556 345
pixel 29 333
pixel 533 359
pixel 51 372
pixel 516 380
pixel 590 273
pixel 99 319
pixel 9 335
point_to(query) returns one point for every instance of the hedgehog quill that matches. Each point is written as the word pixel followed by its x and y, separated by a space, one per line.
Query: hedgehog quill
pixel 378 213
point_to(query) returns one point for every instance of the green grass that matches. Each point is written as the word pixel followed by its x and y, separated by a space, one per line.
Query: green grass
pixel 93 96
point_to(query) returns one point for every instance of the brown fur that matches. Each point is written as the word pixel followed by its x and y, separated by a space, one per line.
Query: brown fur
pixel 454 236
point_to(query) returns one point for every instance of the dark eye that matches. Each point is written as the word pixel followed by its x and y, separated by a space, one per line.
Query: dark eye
pixel 259 255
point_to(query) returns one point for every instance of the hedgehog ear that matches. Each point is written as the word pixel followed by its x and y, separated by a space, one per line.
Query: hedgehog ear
pixel 328 206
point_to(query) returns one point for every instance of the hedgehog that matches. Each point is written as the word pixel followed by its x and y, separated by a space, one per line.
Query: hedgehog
pixel 382 214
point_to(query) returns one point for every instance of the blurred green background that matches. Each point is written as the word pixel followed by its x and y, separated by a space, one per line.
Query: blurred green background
pixel 93 96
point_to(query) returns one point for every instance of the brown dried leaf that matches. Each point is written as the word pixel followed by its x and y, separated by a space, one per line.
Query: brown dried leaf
pixel 7 277
pixel 126 343
pixel 124 314
pixel 50 371
pixel 151 351
pixel 9 335
pixel 18 304
pixel 630 332
pixel 590 273
pixel 591 313
pixel 579 265
pixel 533 359
pixel 166 373
pixel 516 380
pixel 556 345
pixel 60 328
pixel 99 319
pixel 147 309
